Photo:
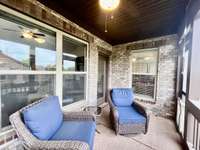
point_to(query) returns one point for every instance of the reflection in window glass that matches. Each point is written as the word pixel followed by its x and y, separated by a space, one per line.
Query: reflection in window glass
pixel 144 71
pixel 74 55
pixel 14 55
pixel 73 88
pixel 101 77
pixel 45 59
pixel 145 62
pixel 69 65
pixel 24 46
pixel 17 91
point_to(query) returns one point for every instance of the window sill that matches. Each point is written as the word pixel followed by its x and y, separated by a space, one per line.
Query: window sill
pixel 143 98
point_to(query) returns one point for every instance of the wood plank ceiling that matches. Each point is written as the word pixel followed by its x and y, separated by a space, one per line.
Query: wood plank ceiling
pixel 133 20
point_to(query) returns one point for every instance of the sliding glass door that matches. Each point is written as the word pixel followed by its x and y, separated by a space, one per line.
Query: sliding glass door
pixel 102 79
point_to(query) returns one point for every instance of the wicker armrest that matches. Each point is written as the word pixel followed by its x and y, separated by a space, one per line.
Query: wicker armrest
pixel 143 110
pixel 82 115
pixel 115 113
pixel 62 145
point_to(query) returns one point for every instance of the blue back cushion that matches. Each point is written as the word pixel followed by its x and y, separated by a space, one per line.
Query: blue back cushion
pixel 44 118
pixel 122 96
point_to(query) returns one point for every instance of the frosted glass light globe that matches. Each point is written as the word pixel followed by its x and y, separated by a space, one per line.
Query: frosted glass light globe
pixel 109 5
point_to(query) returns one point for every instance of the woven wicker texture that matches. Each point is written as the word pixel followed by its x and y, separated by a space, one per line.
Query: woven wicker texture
pixel 128 128
pixel 31 142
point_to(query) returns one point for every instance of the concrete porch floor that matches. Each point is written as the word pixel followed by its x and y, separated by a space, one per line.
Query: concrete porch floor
pixel 162 135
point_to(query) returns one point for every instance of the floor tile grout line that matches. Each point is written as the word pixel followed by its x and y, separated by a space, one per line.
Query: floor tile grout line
pixel 141 143
pixel 128 137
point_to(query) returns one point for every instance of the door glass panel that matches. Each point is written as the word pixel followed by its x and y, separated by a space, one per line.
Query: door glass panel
pixel 101 77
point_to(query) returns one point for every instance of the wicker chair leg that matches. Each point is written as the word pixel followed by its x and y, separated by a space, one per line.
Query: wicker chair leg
pixel 147 125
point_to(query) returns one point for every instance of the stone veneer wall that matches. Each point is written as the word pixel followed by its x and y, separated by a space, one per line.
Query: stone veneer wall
pixel 166 82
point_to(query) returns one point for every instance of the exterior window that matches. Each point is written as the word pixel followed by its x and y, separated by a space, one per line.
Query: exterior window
pixel 24 47
pixel 27 64
pixel 144 73
pixel 73 88
pixel 74 55
pixel 18 91
pixel 31 68
pixel 74 71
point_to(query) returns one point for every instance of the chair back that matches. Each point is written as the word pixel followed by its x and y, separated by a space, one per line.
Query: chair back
pixel 122 96
pixel 44 118
pixel 23 133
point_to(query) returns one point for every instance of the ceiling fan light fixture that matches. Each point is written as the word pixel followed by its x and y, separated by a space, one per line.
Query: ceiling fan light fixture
pixel 109 5
pixel 147 58
pixel 27 34
pixel 134 59
pixel 39 40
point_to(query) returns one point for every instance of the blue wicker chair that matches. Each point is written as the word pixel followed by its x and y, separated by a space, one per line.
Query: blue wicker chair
pixel 43 125
pixel 127 116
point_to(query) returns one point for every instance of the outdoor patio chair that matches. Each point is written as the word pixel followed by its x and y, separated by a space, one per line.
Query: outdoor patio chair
pixel 127 116
pixel 43 125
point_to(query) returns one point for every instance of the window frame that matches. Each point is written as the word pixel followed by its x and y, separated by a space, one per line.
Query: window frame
pixel 59 51
pixel 140 96
pixel 82 103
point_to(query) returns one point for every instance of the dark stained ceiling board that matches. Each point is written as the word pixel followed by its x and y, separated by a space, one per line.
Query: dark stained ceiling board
pixel 133 20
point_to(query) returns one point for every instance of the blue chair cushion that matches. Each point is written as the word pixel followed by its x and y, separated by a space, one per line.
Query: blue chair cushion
pixel 122 96
pixel 76 130
pixel 44 118
pixel 130 115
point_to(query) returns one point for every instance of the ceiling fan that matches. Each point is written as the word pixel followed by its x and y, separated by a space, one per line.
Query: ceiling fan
pixel 29 34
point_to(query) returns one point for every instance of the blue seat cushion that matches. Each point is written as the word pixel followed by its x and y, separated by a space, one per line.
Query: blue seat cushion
pixel 122 96
pixel 130 115
pixel 44 118
pixel 76 130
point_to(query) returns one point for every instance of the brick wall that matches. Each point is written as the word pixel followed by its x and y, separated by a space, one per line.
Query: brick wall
pixel 167 61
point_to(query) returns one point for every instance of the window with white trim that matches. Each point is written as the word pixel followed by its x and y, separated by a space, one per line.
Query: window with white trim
pixel 74 71
pixel 144 74
pixel 30 64
pixel 27 64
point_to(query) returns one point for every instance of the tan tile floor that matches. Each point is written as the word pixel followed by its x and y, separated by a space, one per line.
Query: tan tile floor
pixel 162 135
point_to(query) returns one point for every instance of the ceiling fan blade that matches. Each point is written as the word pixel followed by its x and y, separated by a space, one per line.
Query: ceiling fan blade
pixel 20 27
pixel 9 29
pixel 35 36
pixel 39 34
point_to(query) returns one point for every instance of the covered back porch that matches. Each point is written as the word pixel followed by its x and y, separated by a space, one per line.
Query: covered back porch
pixel 152 47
